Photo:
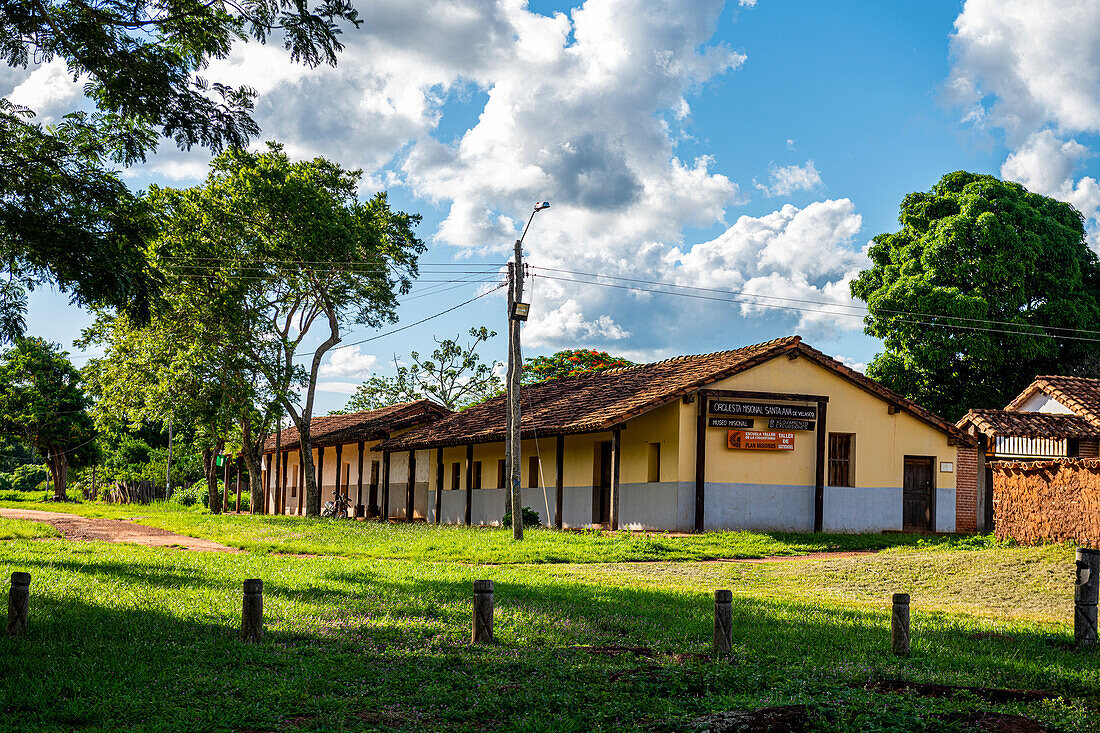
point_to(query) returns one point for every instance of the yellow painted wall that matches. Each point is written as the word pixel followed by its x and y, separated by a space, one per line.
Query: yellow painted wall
pixel 880 444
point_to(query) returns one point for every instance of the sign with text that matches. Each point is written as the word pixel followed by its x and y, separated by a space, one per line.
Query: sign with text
pixel 762 409
pixel 732 422
pixel 759 440
pixel 782 423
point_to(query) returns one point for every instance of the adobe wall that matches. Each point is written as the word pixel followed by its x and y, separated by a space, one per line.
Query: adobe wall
pixel 1048 501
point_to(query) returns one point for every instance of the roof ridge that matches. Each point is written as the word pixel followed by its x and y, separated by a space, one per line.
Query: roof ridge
pixel 687 357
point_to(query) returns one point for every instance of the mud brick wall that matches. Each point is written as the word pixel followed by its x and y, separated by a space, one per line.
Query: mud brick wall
pixel 1048 501
pixel 966 489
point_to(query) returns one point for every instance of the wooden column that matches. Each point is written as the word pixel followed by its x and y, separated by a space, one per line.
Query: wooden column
pixel 385 513
pixel 359 509
pixel 411 489
pixel 240 468
pixel 439 485
pixel 269 485
pixel 559 480
pixel 700 462
pixel 301 483
pixel 339 468
pixel 320 478
pixel 822 458
pixel 225 487
pixel 616 455
pixel 280 499
pixel 469 484
pixel 372 498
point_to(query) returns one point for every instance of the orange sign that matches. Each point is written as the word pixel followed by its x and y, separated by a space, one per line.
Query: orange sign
pixel 759 440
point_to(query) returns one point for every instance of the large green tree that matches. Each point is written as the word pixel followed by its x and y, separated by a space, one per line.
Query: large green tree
pixel 43 405
pixel 283 257
pixel 984 286
pixel 65 216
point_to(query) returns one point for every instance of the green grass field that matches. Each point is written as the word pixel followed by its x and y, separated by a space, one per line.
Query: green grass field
pixel 418 541
pixel 131 638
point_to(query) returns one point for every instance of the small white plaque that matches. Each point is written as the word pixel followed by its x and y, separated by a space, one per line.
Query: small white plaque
pixel 946 467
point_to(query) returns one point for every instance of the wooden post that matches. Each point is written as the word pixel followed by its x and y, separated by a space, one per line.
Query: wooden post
pixel 1085 597
pixel 225 488
pixel 439 485
pixel 280 467
pixel 616 455
pixel 411 488
pixel 240 466
pixel 339 471
pixel 559 481
pixel 822 458
pixel 360 510
pixel 723 622
pixel 385 514
pixel 19 603
pixel 320 476
pixel 301 482
pixel 899 625
pixel 252 610
pixel 469 484
pixel 483 612
pixel 700 463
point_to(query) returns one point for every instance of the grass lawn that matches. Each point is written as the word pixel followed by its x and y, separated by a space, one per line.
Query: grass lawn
pixel 132 638
pixel 448 543
pixel 17 529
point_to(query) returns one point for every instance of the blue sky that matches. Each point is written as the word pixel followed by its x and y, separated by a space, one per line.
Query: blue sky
pixel 751 147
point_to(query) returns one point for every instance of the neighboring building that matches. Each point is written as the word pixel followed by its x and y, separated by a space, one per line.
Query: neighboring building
pixel 776 436
pixel 342 456
pixel 1055 417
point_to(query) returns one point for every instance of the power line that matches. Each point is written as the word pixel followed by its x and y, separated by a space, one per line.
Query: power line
pixel 833 313
pixel 407 326
pixel 864 310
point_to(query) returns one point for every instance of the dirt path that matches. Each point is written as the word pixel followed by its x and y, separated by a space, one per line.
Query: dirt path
pixel 74 527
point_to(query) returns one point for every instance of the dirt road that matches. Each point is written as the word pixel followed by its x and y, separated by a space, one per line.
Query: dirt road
pixel 74 527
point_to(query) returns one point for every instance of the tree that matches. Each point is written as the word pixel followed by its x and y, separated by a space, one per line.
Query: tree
pixel 274 251
pixel 981 289
pixel 42 405
pixel 454 376
pixel 64 215
pixel 569 363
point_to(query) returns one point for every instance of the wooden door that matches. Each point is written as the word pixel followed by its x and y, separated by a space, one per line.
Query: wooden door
pixel 918 493
pixel 601 499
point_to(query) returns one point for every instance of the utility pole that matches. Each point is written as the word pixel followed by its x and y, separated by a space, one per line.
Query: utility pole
pixel 515 361
pixel 508 402
pixel 517 313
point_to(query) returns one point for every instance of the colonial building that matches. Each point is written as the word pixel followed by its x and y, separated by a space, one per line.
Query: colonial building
pixel 342 454
pixel 1055 417
pixel 775 436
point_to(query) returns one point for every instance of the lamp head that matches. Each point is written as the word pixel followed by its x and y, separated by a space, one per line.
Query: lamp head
pixel 541 206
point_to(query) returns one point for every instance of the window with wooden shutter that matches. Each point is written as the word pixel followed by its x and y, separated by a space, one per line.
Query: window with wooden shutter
pixel 456 476
pixel 840 460
pixel 502 478
pixel 533 472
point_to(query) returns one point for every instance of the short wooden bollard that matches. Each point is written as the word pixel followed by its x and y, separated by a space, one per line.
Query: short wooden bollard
pixel 483 612
pixel 252 610
pixel 723 622
pixel 19 603
pixel 899 625
pixel 1085 596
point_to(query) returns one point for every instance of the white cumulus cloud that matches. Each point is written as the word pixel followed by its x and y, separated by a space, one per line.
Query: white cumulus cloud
pixel 349 362
pixel 785 180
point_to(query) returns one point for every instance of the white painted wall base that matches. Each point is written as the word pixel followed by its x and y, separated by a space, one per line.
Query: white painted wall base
pixel 758 507
pixel 945 510
pixel 862 509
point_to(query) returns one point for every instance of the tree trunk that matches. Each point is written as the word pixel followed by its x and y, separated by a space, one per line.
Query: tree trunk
pixel 210 467
pixel 253 458
pixel 59 470
pixel 313 492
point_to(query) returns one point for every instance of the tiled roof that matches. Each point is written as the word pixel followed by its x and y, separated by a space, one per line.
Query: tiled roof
pixel 1080 394
pixel 1010 423
pixel 366 426
pixel 599 401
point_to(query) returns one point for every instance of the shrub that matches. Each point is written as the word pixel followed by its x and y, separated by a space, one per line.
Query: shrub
pixel 531 518
pixel 24 478
pixel 191 495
